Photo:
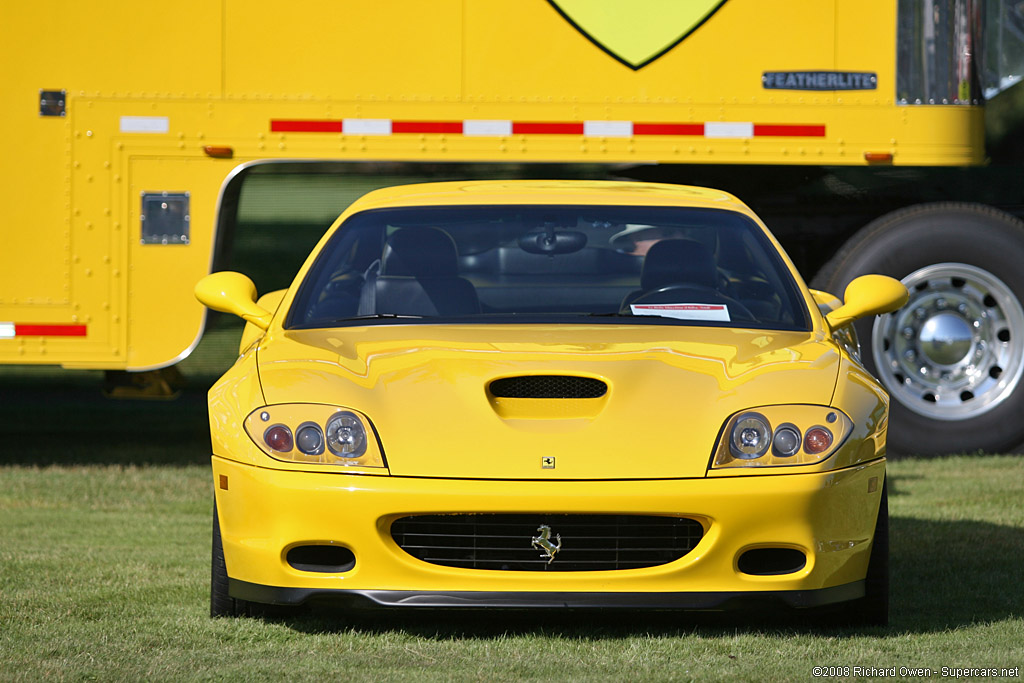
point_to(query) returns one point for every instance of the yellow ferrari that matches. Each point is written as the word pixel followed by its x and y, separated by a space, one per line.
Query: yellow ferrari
pixel 558 394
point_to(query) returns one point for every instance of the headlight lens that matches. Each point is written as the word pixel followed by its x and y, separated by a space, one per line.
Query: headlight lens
pixel 310 439
pixel 316 434
pixel 786 441
pixel 798 437
pixel 346 436
pixel 750 437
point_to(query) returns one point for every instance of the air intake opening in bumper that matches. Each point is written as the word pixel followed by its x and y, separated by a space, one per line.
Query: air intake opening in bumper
pixel 772 561
pixel 326 559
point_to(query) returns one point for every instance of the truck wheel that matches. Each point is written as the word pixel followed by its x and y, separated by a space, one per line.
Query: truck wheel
pixel 952 358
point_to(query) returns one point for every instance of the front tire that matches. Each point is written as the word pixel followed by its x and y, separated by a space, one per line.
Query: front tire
pixel 221 603
pixel 952 359
pixel 873 608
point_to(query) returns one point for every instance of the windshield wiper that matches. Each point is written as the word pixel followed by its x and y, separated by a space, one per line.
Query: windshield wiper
pixel 379 316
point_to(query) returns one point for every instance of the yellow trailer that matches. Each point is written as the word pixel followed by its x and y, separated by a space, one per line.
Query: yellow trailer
pixel 129 127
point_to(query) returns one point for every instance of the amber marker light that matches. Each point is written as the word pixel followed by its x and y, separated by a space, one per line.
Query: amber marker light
pixel 878 157
pixel 817 440
pixel 279 438
pixel 219 151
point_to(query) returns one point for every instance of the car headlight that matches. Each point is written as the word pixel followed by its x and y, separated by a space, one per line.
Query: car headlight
pixel 315 434
pixel 775 436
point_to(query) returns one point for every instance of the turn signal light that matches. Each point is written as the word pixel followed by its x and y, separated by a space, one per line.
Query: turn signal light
pixel 817 440
pixel 278 438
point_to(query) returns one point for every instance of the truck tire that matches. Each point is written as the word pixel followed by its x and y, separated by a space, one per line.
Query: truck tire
pixel 953 357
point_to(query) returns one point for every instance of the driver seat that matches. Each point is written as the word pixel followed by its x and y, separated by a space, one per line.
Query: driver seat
pixel 675 262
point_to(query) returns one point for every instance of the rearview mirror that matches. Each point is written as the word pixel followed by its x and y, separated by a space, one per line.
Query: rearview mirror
pixel 868 295
pixel 233 293
pixel 551 242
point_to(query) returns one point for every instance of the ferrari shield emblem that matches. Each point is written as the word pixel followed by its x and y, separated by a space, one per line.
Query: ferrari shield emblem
pixel 636 32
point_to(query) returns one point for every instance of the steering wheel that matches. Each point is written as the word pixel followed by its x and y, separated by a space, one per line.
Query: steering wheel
pixel 694 294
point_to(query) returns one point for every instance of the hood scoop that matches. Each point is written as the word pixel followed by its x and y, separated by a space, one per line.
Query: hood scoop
pixel 547 397
pixel 548 386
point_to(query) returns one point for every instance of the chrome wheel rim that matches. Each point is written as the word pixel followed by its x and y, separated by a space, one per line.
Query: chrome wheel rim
pixel 952 352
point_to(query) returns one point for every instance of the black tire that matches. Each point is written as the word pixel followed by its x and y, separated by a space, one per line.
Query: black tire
pixel 932 246
pixel 221 603
pixel 873 608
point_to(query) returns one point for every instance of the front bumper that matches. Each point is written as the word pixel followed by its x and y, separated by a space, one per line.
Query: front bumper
pixel 830 517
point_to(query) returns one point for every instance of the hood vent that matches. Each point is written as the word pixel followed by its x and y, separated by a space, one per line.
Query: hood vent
pixel 548 386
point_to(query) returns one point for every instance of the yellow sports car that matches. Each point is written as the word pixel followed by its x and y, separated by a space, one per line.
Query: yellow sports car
pixel 558 394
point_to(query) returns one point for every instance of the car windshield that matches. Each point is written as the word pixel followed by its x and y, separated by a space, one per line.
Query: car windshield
pixel 539 263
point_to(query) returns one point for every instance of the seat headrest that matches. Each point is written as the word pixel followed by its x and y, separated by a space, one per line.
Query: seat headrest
pixel 420 252
pixel 678 261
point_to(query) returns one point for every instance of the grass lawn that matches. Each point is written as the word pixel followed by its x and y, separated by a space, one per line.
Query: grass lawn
pixel 104 567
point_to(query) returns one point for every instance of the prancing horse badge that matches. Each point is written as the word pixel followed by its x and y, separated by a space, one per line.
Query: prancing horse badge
pixel 543 542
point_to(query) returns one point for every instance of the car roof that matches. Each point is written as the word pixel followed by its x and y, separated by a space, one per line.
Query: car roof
pixel 548 192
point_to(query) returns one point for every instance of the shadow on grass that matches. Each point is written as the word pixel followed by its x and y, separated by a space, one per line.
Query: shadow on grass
pixel 54 417
pixel 945 575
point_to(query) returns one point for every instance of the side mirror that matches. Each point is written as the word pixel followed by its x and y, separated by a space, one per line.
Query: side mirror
pixel 233 293
pixel 251 332
pixel 868 295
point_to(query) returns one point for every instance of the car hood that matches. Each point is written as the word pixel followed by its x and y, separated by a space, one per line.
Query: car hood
pixel 426 390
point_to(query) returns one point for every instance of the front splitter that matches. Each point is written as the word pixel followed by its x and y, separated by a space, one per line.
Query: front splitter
pixel 698 601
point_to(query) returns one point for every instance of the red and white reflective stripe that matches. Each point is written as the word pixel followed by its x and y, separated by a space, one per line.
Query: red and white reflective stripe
pixel 728 129
pixel 505 128
pixel 10 330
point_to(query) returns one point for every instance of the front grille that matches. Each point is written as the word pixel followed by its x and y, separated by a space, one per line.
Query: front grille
pixel 548 386
pixel 588 542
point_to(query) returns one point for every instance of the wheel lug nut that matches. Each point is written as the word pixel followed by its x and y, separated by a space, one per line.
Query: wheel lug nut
pixel 910 355
pixel 962 309
pixel 920 313
pixel 941 304
pixel 908 332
